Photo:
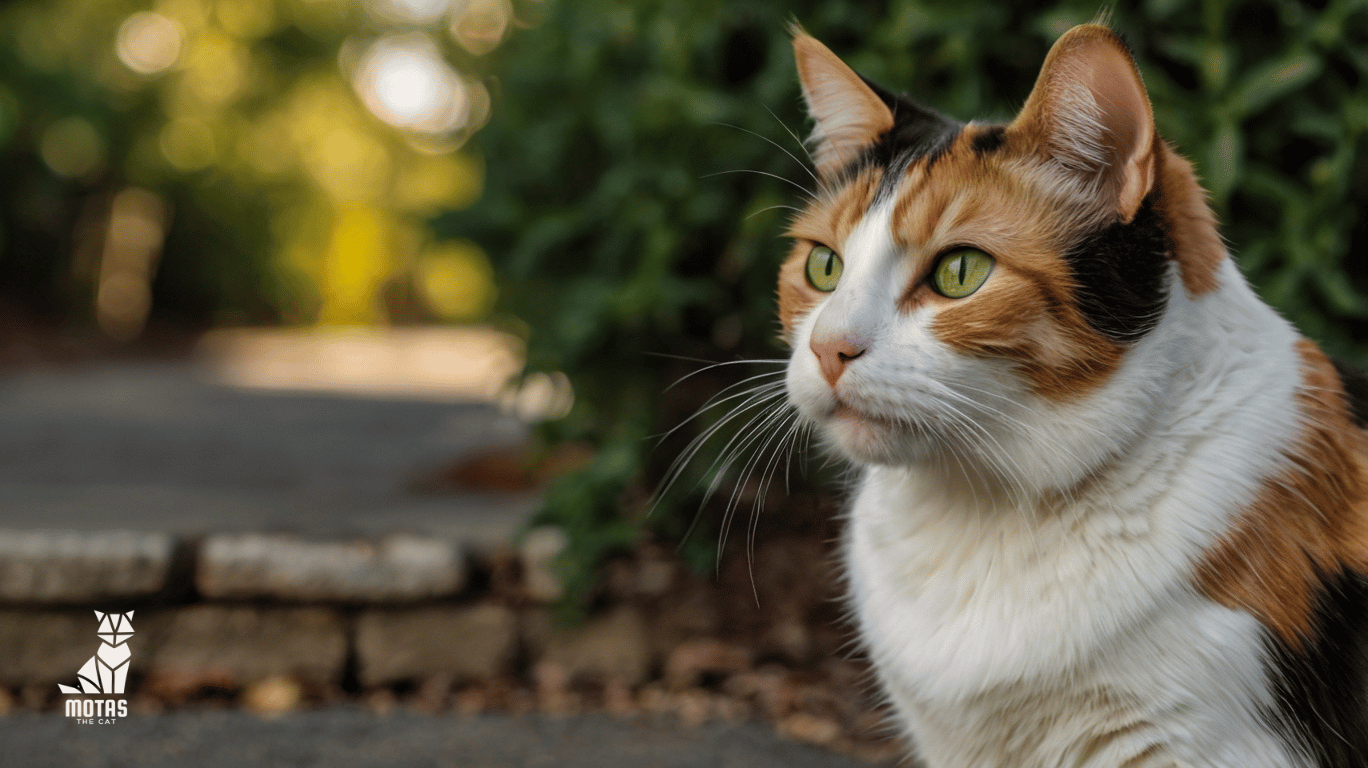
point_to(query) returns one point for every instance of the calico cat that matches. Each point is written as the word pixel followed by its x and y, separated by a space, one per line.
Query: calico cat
pixel 1111 508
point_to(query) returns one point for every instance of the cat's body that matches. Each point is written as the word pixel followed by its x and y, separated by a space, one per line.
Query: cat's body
pixel 1112 508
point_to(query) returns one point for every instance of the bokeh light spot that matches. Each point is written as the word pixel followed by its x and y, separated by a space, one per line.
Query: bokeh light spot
pixel 246 18
pixel 132 244
pixel 429 183
pixel 72 147
pixel 457 281
pixel 148 43
pixel 404 81
pixel 215 67
pixel 359 259
pixel 409 11
pixel 192 15
pixel 407 87
pixel 350 164
pixel 539 397
pixel 480 25
pixel 188 144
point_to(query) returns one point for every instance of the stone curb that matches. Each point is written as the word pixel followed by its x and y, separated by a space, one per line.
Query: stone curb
pixel 395 568
pixel 46 568
pixel 66 567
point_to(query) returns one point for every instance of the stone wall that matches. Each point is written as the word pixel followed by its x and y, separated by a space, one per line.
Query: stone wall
pixel 275 622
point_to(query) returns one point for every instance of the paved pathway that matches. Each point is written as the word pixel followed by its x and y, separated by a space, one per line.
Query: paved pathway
pixel 157 447
pixel 354 738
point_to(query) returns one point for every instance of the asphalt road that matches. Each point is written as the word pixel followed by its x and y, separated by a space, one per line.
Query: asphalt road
pixel 355 738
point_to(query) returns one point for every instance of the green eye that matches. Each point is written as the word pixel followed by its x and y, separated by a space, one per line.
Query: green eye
pixel 824 268
pixel 960 272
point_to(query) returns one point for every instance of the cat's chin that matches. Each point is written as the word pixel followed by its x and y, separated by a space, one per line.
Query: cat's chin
pixel 866 439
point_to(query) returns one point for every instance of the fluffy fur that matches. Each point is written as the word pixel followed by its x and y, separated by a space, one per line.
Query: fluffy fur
pixel 1111 506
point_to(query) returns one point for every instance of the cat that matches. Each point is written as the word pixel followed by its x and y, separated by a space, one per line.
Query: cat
pixel 1110 508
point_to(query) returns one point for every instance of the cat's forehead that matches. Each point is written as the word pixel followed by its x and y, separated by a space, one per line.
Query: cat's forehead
pixel 973 187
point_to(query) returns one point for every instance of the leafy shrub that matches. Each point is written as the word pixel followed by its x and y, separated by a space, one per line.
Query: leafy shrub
pixel 615 237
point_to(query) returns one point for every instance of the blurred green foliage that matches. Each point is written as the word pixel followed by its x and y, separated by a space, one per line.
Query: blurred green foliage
pixel 267 184
pixel 634 173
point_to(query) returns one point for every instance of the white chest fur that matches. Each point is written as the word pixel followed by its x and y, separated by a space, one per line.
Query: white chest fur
pixel 1068 632
pixel 1076 648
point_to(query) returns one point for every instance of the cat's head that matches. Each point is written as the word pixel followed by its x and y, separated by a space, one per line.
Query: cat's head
pixel 949 282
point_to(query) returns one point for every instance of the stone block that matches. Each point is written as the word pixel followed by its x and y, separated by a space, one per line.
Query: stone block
pixel 614 646
pixel 246 644
pixel 461 642
pixel 47 646
pixel 82 567
pixel 401 568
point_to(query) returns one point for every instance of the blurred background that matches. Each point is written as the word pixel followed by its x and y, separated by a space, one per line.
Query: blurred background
pixel 573 175
pixel 562 208
pixel 599 180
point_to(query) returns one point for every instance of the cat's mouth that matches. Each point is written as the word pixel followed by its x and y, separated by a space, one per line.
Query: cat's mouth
pixel 880 438
pixel 870 438
pixel 845 411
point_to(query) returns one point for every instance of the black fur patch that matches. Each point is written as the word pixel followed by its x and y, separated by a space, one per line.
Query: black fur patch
pixel 1122 274
pixel 1355 383
pixel 918 132
pixel 990 139
pixel 1322 691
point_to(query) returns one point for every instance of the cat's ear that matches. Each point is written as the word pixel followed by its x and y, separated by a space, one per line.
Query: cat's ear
pixel 1090 113
pixel 849 114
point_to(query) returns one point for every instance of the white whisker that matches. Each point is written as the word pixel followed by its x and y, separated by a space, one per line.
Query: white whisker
pixel 763 173
pixel 775 144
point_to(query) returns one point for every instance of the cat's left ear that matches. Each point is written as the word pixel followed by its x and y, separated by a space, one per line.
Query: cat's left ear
pixel 1090 114
pixel 849 114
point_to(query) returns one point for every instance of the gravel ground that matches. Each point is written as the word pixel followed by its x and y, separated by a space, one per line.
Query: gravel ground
pixel 353 738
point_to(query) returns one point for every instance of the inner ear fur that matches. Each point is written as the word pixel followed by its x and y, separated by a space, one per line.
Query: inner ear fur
pixel 1089 113
pixel 849 115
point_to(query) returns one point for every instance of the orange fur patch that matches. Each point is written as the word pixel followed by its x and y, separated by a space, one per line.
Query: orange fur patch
pixel 1023 318
pixel 1026 312
pixel 1309 523
pixel 1197 245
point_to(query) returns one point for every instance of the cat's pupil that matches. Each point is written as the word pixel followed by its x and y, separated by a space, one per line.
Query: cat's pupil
pixel 830 262
pixel 964 268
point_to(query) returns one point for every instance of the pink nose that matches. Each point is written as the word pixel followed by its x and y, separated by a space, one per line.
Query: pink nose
pixel 834 354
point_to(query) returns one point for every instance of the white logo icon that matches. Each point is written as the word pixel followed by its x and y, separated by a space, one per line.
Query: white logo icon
pixel 107 671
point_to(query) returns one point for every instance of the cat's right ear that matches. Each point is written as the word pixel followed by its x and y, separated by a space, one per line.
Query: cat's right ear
pixel 849 116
